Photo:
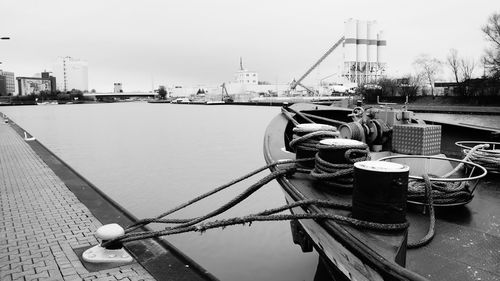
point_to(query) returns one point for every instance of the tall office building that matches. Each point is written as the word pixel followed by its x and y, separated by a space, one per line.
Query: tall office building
pixel 8 84
pixel 3 86
pixel 71 74
pixel 46 75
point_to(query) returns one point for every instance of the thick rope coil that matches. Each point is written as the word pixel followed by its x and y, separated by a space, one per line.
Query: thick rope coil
pixel 488 159
pixel 305 139
pixel 310 140
pixel 444 192
pixel 339 174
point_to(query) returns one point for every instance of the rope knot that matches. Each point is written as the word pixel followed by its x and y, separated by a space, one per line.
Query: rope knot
pixel 200 228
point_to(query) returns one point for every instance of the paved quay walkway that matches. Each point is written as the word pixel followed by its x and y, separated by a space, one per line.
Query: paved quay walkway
pixel 42 221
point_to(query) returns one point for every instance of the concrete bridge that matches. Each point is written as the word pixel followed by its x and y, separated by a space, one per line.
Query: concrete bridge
pixel 114 96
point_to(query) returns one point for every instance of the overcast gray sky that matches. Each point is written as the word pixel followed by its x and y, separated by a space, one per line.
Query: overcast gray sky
pixel 191 42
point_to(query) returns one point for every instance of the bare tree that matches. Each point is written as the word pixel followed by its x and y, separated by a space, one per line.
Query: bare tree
pixel 429 68
pixel 492 32
pixel 467 68
pixel 411 85
pixel 162 92
pixel 454 63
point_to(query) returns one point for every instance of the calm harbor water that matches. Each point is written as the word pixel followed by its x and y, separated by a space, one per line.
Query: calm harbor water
pixel 488 121
pixel 151 157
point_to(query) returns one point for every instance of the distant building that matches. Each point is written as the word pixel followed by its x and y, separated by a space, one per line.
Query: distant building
pixel 71 74
pixel 246 77
pixel 53 85
pixel 3 86
pixel 8 86
pixel 118 88
pixel 33 85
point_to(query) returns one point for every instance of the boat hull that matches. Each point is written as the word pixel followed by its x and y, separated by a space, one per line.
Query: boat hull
pixel 345 247
pixel 334 253
pixel 467 241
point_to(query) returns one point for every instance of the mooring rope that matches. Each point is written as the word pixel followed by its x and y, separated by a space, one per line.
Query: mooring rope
pixel 490 159
pixel 432 218
pixel 444 192
pixel 339 174
pixel 439 192
pixel 221 209
pixel 198 224
pixel 144 222
pixel 252 218
pixel 319 203
pixel 289 116
pixel 466 158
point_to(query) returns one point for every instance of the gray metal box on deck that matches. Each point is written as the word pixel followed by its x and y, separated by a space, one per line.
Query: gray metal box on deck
pixel 416 139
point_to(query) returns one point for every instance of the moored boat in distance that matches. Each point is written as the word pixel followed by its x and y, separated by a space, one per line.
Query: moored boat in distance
pixel 394 206
pixel 215 102
pixel 180 100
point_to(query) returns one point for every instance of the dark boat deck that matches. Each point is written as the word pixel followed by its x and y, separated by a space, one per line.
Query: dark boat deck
pixel 466 245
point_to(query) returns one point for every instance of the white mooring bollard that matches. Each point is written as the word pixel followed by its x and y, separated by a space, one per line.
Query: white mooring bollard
pixel 26 138
pixel 99 254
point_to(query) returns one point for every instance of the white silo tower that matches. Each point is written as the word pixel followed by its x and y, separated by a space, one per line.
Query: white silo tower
pixel 372 51
pixel 350 51
pixel 362 49
pixel 381 46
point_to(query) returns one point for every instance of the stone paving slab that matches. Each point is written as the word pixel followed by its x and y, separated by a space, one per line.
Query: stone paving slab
pixel 41 221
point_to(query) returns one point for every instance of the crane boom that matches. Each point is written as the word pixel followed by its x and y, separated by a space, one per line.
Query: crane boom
pixel 295 83
pixel 309 90
pixel 225 95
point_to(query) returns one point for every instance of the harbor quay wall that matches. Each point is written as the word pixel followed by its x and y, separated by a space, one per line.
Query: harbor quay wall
pixel 49 213
pixel 457 109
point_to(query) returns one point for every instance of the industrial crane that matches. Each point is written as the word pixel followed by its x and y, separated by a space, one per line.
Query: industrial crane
pixel 225 96
pixel 295 83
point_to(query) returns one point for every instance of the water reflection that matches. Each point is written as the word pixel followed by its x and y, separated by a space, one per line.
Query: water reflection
pixel 484 121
